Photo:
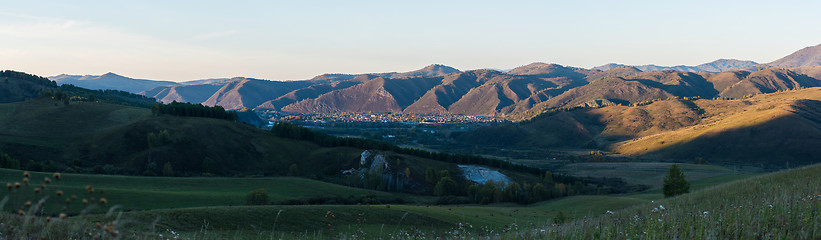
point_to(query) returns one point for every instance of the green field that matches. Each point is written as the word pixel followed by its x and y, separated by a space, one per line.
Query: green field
pixel 652 173
pixel 145 193
pixel 209 207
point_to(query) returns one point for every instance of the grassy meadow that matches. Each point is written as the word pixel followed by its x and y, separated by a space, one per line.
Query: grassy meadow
pixel 213 208
pixel 147 193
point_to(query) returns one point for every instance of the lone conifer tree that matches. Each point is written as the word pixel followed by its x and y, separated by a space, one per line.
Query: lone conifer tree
pixel 674 182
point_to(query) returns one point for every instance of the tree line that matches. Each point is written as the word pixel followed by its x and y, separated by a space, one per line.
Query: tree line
pixel 193 110
pixel 293 131
pixel 28 77
pixel 552 186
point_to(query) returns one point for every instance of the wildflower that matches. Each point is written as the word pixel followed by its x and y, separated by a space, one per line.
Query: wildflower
pixel 110 228
pixel 26 181
pixel 9 185
pixel 68 200
pixel 17 185
pixel 73 197
pixel 661 207
pixel 26 174
pixel 47 180
pixel 21 213
pixel 85 201
pixel 610 212
pixel 28 203
pixel 90 188
pixel 48 219
pixel 59 193
pixel 63 216
pixel 102 191
pixel 771 206
pixel 56 176
pixel 36 190
pixel 706 212
pixel 103 200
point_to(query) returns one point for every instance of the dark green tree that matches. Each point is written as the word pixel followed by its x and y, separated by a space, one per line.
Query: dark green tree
pixel 512 192
pixel 293 170
pixel 560 218
pixel 540 193
pixel 430 176
pixel 257 197
pixel 445 187
pixel 168 170
pixel 674 182
pixel 548 177
pixel 209 166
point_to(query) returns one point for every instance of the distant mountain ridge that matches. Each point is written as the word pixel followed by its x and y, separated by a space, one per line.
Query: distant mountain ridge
pixel 518 93
pixel 110 81
pixel 809 56
pixel 714 66
pixel 117 82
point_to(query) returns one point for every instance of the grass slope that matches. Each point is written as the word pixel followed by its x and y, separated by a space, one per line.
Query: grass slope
pixel 146 193
pixel 767 129
pixel 774 129
pixel 80 136
pixel 783 205
pixel 315 221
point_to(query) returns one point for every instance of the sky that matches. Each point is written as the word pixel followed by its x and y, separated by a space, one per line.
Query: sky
pixel 294 40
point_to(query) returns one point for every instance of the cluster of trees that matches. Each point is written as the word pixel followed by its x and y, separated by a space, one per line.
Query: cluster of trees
pixel 56 95
pixel 554 185
pixel 493 192
pixel 293 131
pixel 159 139
pixel 7 161
pixel 549 187
pixel 547 113
pixel 193 110
pixel 444 185
pixel 6 74
pixel 379 180
pixel 68 92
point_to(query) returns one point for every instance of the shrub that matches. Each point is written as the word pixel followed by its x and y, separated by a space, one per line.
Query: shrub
pixel 257 197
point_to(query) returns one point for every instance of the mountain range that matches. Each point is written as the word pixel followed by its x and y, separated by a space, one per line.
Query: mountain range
pixel 113 81
pixel 519 93
pixel 714 66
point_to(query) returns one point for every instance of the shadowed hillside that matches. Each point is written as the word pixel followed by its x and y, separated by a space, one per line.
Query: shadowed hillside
pixel 111 81
pixel 246 92
pixel 809 56
pixel 17 86
pixel 768 129
pixel 197 93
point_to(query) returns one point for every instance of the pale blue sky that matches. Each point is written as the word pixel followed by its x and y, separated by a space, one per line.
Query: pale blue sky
pixel 288 40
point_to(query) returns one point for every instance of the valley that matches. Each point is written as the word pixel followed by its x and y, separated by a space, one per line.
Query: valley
pixel 539 151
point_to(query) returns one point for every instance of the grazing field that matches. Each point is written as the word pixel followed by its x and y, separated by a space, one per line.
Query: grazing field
pixel 206 208
pixel 783 205
pixel 652 173
pixel 381 220
pixel 146 193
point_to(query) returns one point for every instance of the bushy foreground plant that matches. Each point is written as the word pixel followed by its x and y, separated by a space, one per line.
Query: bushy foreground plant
pixel 43 211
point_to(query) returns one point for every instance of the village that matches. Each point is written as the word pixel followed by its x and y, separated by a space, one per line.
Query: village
pixel 378 117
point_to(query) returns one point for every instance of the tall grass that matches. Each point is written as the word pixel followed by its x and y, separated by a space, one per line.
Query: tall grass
pixel 783 205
